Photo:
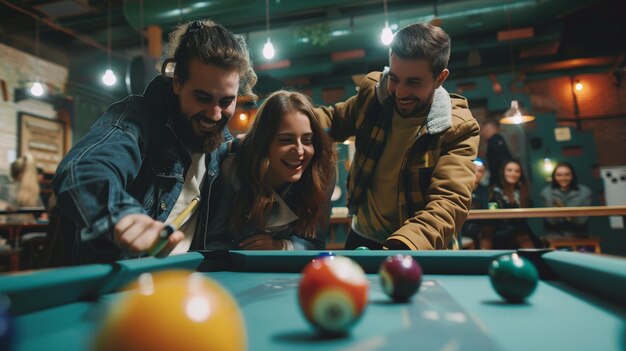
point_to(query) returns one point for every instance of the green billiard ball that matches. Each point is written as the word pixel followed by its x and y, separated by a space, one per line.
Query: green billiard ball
pixel 513 277
pixel 362 248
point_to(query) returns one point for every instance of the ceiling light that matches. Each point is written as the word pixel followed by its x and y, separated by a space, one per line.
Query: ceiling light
pixel 268 48
pixel 515 115
pixel 37 89
pixel 386 36
pixel 578 86
pixel 109 78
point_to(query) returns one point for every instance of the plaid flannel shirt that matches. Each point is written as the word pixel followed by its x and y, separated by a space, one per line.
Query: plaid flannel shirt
pixel 436 177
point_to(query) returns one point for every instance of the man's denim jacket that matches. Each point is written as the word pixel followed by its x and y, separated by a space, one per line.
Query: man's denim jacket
pixel 130 162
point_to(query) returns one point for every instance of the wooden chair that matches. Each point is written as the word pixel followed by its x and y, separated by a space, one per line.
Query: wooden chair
pixel 589 244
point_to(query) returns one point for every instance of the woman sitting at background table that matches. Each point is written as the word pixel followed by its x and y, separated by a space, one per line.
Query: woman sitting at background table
pixel 276 188
pixel 24 190
pixel 511 191
pixel 564 191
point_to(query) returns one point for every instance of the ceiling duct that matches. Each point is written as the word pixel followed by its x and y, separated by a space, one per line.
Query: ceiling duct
pixel 357 31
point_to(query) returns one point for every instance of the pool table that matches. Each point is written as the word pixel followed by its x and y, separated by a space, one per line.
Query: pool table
pixel 579 303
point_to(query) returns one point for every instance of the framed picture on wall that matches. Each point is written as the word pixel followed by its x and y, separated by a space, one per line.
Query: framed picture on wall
pixel 42 137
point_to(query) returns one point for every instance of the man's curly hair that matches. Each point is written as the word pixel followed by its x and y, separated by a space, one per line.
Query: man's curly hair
pixel 212 44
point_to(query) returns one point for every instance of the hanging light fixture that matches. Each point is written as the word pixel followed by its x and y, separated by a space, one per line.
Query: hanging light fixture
pixel 386 36
pixel 515 115
pixel 37 89
pixel 268 48
pixel 109 78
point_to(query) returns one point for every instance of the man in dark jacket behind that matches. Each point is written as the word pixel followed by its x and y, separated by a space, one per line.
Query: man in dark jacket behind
pixel 497 150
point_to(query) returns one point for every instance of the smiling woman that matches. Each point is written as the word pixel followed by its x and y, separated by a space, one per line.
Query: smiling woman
pixel 564 191
pixel 277 188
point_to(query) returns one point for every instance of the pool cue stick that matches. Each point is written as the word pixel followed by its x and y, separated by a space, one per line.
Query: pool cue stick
pixel 173 226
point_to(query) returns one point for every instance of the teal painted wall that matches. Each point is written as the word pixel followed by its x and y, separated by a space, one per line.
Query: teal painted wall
pixel 91 97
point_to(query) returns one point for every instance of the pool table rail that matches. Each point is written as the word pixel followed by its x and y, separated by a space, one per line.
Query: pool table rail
pixel 35 290
pixel 600 275
pixel 433 262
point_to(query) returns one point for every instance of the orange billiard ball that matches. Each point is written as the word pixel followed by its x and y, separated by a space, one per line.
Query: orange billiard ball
pixel 173 310
pixel 333 294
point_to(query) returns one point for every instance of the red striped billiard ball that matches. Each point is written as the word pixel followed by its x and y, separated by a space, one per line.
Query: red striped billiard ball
pixel 332 294
pixel 400 277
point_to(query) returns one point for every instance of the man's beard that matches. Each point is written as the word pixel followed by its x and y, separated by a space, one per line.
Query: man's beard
pixel 420 106
pixel 208 142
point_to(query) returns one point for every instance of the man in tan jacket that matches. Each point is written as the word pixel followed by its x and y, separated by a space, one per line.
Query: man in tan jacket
pixel 410 182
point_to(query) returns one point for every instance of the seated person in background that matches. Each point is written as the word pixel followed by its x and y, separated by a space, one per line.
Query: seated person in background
pixel 480 200
pixel 277 187
pixel 511 191
pixel 564 191
pixel 144 161
pixel 24 190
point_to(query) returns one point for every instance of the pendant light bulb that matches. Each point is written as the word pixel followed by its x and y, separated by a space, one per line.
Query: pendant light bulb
pixel 109 78
pixel 37 89
pixel 268 49
pixel 387 35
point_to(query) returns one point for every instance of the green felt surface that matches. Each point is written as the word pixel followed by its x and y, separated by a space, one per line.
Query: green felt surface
pixel 451 311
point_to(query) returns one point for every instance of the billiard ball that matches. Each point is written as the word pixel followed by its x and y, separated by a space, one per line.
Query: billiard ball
pixel 324 254
pixel 173 310
pixel 7 326
pixel 400 277
pixel 362 248
pixel 513 277
pixel 332 294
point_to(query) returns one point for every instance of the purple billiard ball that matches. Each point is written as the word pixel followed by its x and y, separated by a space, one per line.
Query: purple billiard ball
pixel 400 277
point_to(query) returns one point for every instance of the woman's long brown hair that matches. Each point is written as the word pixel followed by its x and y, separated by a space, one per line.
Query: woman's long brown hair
pixel 310 199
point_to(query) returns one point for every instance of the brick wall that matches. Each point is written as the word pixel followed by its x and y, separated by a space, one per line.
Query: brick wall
pixel 601 107
pixel 17 67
